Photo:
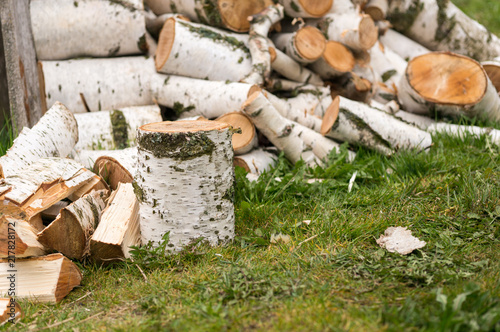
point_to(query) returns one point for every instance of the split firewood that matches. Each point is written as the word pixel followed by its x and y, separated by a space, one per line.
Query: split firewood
pixel 228 14
pixel 492 69
pixel 180 165
pixel 405 47
pixel 305 45
pixel 70 232
pixel 182 44
pixel 377 9
pixel 279 130
pixel 70 29
pixel 118 228
pixel 306 8
pixel 449 84
pixel 441 26
pixel 115 129
pixel 289 68
pixel 360 124
pixel 53 211
pixel 18 238
pixel 97 84
pixel 256 161
pixel 247 139
pixel 53 136
pixel 190 97
pixel 336 60
pixel 43 183
pixel 40 279
pixel 258 45
pixel 10 311
pixel 357 31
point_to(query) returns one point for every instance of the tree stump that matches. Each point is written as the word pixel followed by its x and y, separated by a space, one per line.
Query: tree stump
pixel 184 182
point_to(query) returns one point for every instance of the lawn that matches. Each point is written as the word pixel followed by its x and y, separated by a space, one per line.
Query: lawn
pixel 331 275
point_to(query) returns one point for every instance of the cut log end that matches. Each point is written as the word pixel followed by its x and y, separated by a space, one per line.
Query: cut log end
pixel 241 163
pixel 368 32
pixel 493 71
pixel 309 43
pixel 447 78
pixel 165 43
pixel 339 57
pixel 242 142
pixel 316 8
pixel 112 171
pixel 330 116
pixel 235 13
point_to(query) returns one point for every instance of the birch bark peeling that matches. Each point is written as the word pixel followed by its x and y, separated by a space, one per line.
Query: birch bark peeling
pixel 228 14
pixel 182 44
pixel 286 66
pixel 10 311
pixel 260 24
pixel 245 141
pixel 114 129
pixel 257 161
pixel 184 182
pixel 463 88
pixel 70 29
pixel 335 61
pixel 279 130
pixel 492 69
pixel 441 26
pixel 41 279
pixel 53 136
pixel 26 243
pixel 305 45
pixel 306 8
pixel 70 232
pixel 118 228
pixel 104 83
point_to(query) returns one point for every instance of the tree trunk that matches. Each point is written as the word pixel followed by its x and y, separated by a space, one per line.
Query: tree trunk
pixel 405 47
pixel 305 45
pixel 190 97
pixel 441 26
pixel 228 14
pixel 115 129
pixel 449 84
pixel 184 182
pixel 10 311
pixel 286 66
pixel 256 162
pixel 18 238
pixel 279 130
pixel 53 136
pixel 306 8
pixel 119 226
pixel 71 231
pixel 103 84
pixel 70 29
pixel 245 141
pixel 40 279
pixel 337 60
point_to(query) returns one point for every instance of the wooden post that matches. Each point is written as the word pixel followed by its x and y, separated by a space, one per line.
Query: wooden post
pixel 19 85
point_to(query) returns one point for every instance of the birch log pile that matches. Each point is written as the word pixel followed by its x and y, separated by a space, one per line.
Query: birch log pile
pixel 184 182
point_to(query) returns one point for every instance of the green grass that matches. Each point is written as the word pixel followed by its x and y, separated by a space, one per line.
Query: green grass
pixel 332 275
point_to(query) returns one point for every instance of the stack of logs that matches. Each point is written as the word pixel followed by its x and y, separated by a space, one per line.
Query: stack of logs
pixel 300 75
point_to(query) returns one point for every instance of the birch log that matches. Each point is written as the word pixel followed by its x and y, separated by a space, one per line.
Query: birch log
pixel 40 279
pixel 18 238
pixel 184 182
pixel 286 66
pixel 305 45
pixel 10 311
pixel 336 60
pixel 387 65
pixel 377 9
pixel 244 141
pixel 256 161
pixel 357 31
pixel 441 26
pixel 306 8
pixel 228 14
pixel 492 69
pixel 119 226
pixel 405 47
pixel 464 131
pixel 114 129
pixel 449 84
pixel 53 136
pixel 182 44
pixel 279 130
pixel 70 232
pixel 70 29
pixel 97 84
pixel 190 97
pixel 363 125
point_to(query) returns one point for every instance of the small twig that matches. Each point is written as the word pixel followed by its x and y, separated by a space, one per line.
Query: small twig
pixel 80 298
pixel 57 324
pixel 309 239
pixel 142 272
pixel 89 318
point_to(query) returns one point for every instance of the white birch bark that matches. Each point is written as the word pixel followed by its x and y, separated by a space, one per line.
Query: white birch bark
pixel 441 26
pixel 184 182
pixel 26 243
pixel 286 66
pixel 343 6
pixel 258 45
pixel 182 44
pixel 104 83
pixel 70 232
pixel 115 129
pixel 279 130
pixel 387 65
pixel 306 8
pixel 70 29
pixel 41 279
pixel 405 47
pixel 464 131
pixel 305 45
pixel 154 23
pixel 53 136
pixel 190 97
pixel 257 161
pixel 127 158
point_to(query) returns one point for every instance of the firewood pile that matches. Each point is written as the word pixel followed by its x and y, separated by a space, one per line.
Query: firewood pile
pixel 296 76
